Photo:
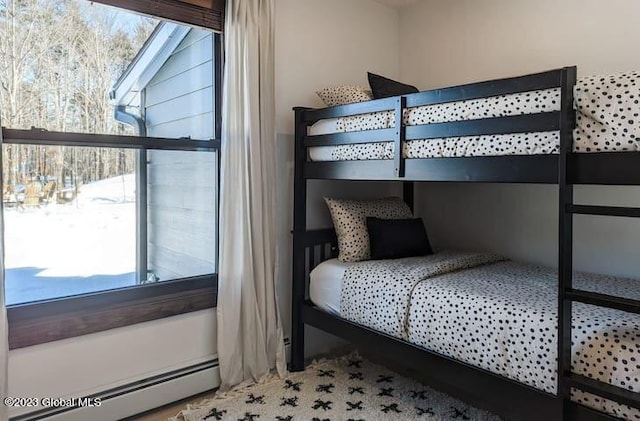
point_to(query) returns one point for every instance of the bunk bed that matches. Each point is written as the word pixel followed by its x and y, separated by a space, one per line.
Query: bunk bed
pixel 393 162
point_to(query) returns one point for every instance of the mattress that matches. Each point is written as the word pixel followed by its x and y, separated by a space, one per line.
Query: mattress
pixel 502 317
pixel 606 121
pixel 325 286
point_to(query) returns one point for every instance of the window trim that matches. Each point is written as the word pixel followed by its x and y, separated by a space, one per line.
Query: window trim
pixel 50 138
pixel 63 318
pixel 176 10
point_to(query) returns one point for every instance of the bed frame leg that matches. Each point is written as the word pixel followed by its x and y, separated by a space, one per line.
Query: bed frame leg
pixel 297 303
pixel 299 282
pixel 297 348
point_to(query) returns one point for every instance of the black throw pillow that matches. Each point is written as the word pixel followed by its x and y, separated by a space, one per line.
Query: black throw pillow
pixel 396 238
pixel 383 87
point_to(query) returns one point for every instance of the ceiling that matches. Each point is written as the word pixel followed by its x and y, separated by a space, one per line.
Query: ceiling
pixel 397 3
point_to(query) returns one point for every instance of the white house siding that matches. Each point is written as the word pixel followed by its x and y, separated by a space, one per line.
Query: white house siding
pixel 179 102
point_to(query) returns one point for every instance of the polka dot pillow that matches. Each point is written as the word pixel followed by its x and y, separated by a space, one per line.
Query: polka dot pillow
pixel 608 118
pixel 350 222
pixel 341 95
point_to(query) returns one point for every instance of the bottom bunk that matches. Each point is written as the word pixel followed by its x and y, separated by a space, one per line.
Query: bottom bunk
pixel 480 327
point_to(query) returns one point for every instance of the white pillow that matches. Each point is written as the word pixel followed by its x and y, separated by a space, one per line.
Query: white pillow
pixel 350 222
pixel 340 95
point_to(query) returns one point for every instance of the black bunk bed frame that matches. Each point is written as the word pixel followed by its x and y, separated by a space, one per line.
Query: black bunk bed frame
pixel 505 397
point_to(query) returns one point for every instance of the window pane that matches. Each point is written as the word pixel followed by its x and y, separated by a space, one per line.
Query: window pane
pixel 182 214
pixel 69 221
pixel 59 61
pixel 87 219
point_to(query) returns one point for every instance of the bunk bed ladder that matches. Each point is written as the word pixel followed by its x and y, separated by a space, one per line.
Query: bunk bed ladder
pixel 567 294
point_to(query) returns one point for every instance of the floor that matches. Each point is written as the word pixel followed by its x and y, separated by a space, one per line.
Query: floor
pixel 161 414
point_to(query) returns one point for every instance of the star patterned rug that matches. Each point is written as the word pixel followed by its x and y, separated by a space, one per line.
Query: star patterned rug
pixel 343 389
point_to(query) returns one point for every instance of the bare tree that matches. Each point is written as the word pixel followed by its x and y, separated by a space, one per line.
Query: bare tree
pixel 58 61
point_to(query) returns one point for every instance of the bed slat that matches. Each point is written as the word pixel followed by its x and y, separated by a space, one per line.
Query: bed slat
pixel 541 122
pixel 378 169
pixel 612 168
pixel 312 257
pixel 351 138
pixel 606 390
pixel 604 211
pixel 604 300
pixel 493 169
pixel 319 236
pixel 534 82
pixel 374 106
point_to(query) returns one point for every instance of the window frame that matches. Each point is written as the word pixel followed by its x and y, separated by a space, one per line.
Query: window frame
pixel 203 13
pixel 67 317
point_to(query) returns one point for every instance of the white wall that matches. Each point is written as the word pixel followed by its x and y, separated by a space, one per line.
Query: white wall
pixel 321 43
pixel 92 363
pixel 450 42
pixel 318 43
pixel 445 43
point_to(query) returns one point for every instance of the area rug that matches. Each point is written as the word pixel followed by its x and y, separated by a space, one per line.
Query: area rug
pixel 342 389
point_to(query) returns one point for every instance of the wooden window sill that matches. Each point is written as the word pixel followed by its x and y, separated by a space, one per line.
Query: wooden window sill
pixel 53 320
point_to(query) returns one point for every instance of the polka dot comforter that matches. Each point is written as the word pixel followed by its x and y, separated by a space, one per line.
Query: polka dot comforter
pixel 607 120
pixel 500 316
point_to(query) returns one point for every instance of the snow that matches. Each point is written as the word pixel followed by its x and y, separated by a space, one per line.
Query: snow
pixel 66 249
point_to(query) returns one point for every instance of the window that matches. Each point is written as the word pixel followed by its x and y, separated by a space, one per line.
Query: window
pixel 111 204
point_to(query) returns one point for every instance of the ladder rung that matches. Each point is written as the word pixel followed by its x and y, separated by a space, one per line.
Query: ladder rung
pixel 604 210
pixel 604 300
pixel 605 390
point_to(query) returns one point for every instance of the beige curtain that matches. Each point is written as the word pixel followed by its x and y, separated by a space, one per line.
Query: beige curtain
pixel 4 328
pixel 250 338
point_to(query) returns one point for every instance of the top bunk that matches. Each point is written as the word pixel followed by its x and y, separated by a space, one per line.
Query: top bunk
pixel 517 130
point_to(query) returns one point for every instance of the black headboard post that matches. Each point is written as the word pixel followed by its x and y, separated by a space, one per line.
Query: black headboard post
pixel 400 135
pixel 299 253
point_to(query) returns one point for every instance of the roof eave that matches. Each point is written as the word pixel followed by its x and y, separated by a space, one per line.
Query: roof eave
pixel 164 39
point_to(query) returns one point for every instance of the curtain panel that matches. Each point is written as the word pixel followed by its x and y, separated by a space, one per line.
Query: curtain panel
pixel 250 338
